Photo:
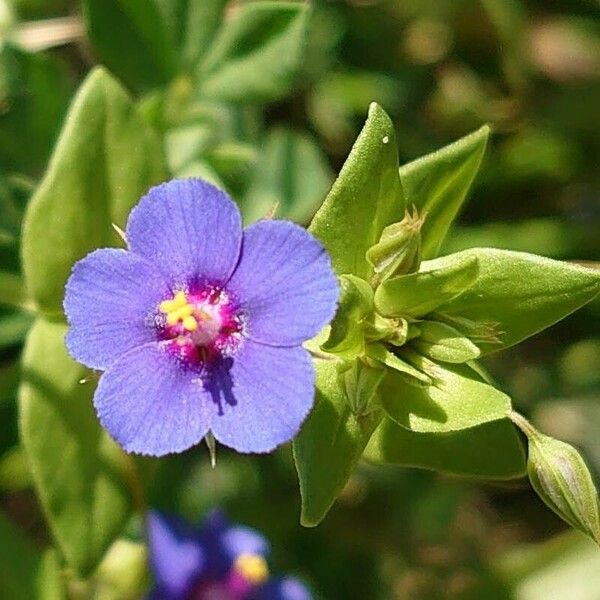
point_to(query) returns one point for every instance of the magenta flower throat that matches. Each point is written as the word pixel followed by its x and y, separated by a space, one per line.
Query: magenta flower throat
pixel 199 325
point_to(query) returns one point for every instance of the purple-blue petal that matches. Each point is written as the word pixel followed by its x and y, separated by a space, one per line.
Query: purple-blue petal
pixel 287 588
pixel 285 283
pixel 238 540
pixel 177 557
pixel 263 397
pixel 151 404
pixel 189 228
pixel 109 298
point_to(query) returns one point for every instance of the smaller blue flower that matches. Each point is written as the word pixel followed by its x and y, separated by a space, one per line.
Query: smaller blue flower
pixel 218 561
pixel 199 325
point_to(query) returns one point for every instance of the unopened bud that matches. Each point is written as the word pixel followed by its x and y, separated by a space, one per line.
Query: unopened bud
pixel 398 251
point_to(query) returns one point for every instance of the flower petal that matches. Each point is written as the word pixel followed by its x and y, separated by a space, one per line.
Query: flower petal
pixel 287 588
pixel 189 229
pixel 285 282
pixel 176 555
pixel 108 299
pixel 244 540
pixel 263 397
pixel 152 404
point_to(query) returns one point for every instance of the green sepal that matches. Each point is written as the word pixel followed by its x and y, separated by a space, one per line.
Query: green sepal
pixel 365 198
pixel 561 478
pixel 456 399
pixel 490 451
pixel 418 294
pixel 329 444
pixel 443 343
pixel 518 294
pixel 355 307
pixel 437 185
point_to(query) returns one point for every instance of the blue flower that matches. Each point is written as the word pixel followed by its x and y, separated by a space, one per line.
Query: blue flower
pixel 219 561
pixel 199 325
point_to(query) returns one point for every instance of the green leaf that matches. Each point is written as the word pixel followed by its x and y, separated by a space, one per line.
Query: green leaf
pixel 131 38
pixel 256 54
pixel 34 92
pixel 77 470
pixel 443 343
pixel 291 177
pixel 347 336
pixel 561 478
pixel 456 400
pixel 12 289
pixel 418 294
pixel 192 25
pixel 25 573
pixel 14 327
pixel 438 184
pixel 519 294
pixel 329 445
pixel 489 451
pixel 93 180
pixel 365 198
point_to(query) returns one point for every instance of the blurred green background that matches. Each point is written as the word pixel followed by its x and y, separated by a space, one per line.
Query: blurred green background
pixel 441 68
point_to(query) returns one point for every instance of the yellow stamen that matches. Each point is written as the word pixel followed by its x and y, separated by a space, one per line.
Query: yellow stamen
pixel 178 309
pixel 252 567
pixel 190 323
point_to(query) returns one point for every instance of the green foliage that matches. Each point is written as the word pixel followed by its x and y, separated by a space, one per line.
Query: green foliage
pixel 365 198
pixel 489 451
pixel 92 181
pixel 519 294
pixel 329 445
pixel 455 400
pixel 437 185
pixel 291 178
pixel 25 573
pixel 256 54
pixel 34 92
pixel 131 38
pixel 78 471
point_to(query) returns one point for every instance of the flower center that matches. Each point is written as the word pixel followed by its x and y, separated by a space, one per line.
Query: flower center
pixel 200 325
pixel 252 567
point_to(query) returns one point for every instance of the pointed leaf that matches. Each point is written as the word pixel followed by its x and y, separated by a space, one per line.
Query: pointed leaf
pixel 489 451
pixel 384 356
pixel 132 40
pixel 192 25
pixel 76 468
pixel 456 400
pixel 105 159
pixel 519 294
pixel 280 179
pixel 438 184
pixel 365 198
pixel 256 54
pixel 418 294
pixel 329 445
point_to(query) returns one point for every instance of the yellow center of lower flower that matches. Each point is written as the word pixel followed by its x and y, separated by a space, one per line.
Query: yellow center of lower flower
pixel 252 567
pixel 178 310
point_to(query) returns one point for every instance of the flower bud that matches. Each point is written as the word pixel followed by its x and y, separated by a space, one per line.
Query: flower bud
pixel 561 478
pixel 398 251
